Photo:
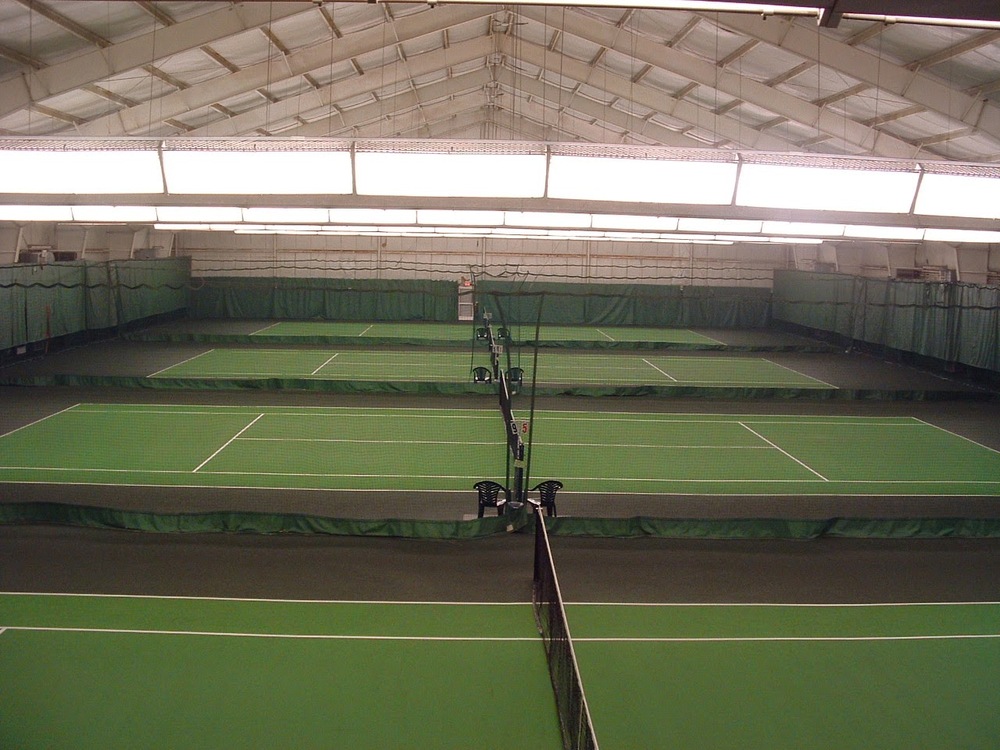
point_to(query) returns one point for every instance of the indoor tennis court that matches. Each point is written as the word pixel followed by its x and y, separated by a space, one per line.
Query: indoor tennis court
pixel 440 450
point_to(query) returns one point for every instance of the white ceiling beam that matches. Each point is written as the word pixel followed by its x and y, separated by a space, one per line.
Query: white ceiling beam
pixel 350 88
pixel 95 65
pixel 253 77
pixel 808 42
pixel 706 73
pixel 658 100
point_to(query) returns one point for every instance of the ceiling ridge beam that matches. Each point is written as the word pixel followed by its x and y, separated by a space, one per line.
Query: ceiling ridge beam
pixel 899 80
pixel 308 101
pixel 866 139
pixel 253 77
pixel 131 54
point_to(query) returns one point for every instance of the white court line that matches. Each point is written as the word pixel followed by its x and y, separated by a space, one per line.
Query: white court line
pixel 970 440
pixel 793 638
pixel 800 463
pixel 224 445
pixel 42 419
pixel 366 330
pixel 289 636
pixel 609 338
pixel 652 446
pixel 325 363
pixel 790 605
pixel 178 364
pixel 665 374
pixel 259 600
pixel 265 328
pixel 800 374
pixel 713 340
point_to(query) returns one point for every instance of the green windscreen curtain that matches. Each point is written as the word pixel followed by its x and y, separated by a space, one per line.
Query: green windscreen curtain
pixel 626 304
pixel 43 302
pixel 951 322
pixel 331 299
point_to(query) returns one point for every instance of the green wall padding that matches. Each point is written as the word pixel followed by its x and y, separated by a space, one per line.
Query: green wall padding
pixel 244 522
pixel 776 528
pixel 950 322
pixel 329 299
pixel 38 303
pixel 517 303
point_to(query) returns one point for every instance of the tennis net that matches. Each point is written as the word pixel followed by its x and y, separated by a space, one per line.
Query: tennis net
pixel 550 614
pixel 515 444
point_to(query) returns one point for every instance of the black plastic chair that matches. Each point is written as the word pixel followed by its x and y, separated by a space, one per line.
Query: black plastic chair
pixel 547 495
pixel 515 376
pixel 481 375
pixel 481 334
pixel 490 496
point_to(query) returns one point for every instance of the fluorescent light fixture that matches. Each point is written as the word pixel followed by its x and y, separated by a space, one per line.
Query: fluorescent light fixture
pixel 884 233
pixel 635 223
pixel 719 225
pixel 641 180
pixel 286 215
pixel 199 214
pixel 545 219
pixel 974 194
pixel 961 236
pixel 115 214
pixel 803 228
pixel 36 213
pixel 460 218
pixel 57 172
pixel 206 172
pixel 450 170
pixel 827 188
pixel 372 216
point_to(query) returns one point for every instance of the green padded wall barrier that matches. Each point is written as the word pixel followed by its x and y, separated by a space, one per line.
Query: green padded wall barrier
pixel 282 298
pixel 950 322
pixel 626 304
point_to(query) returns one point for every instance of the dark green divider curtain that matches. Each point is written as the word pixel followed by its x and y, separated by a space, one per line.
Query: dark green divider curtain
pixel 950 322
pixel 38 303
pixel 626 304
pixel 331 299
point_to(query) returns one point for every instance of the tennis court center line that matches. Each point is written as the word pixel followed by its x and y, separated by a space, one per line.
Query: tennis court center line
pixel 266 328
pixel 800 374
pixel 288 636
pixel 782 450
pixel 178 364
pixel 970 440
pixel 226 444
pixel 325 363
pixel 665 374
pixel 39 420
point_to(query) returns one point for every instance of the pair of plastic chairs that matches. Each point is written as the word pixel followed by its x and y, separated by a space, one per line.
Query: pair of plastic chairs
pixel 495 495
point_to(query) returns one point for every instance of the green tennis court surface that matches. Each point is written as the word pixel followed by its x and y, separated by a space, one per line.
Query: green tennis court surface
pixel 758 677
pixel 455 367
pixel 116 672
pixel 465 332
pixel 447 450
pixel 113 671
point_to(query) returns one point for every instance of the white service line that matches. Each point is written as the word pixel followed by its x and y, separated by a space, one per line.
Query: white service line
pixel 366 330
pixel 665 374
pixel 794 638
pixel 42 419
pixel 773 445
pixel 291 636
pixel 223 447
pixel 325 363
pixel 604 334
pixel 265 328
pixel 178 364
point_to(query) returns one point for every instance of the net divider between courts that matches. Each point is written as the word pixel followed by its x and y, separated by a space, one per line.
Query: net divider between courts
pixel 515 444
pixel 550 616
